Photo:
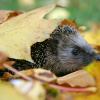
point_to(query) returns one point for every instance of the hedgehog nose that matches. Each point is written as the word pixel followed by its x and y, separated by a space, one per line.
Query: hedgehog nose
pixel 97 57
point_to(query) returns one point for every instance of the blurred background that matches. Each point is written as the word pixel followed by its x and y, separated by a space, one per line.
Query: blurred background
pixel 84 12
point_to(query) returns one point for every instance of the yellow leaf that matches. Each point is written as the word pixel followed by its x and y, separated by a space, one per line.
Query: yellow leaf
pixel 19 33
pixel 8 92
pixel 93 37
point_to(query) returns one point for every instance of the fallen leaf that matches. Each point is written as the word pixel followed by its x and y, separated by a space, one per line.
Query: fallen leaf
pixel 79 78
pixel 44 75
pixel 19 33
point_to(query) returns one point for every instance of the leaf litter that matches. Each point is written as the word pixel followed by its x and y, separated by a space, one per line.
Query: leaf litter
pixel 33 84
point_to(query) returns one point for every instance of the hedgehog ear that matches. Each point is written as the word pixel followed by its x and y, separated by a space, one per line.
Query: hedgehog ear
pixel 56 36
pixel 57 33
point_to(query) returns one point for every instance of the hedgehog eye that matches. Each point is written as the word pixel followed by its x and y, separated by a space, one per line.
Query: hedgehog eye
pixel 76 51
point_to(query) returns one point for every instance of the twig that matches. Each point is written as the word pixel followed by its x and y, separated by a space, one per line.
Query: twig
pixel 17 72
pixel 69 89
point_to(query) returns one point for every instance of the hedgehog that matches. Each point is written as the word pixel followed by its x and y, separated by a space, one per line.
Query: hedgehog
pixel 64 52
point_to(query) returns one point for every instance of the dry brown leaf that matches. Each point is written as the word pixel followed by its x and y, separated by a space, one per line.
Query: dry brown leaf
pixel 79 78
pixel 44 75
pixel 28 72
pixel 19 33
pixel 6 14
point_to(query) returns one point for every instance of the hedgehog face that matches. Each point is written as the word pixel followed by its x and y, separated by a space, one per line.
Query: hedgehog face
pixel 73 51
pixel 72 57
